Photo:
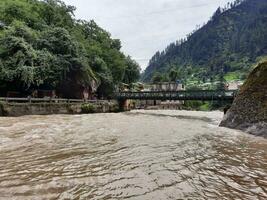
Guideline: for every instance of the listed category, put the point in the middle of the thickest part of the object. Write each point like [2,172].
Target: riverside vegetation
[42,46]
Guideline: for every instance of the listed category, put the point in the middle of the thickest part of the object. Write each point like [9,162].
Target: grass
[205,107]
[231,76]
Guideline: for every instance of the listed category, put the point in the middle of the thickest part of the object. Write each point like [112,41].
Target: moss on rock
[249,110]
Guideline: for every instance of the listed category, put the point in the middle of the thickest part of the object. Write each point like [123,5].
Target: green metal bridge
[203,95]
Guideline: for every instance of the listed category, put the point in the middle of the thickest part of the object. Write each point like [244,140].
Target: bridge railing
[179,95]
[47,100]
[146,95]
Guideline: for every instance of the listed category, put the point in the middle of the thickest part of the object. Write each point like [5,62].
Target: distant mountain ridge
[231,41]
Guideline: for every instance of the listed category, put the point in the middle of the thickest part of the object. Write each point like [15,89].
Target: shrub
[3,112]
[88,108]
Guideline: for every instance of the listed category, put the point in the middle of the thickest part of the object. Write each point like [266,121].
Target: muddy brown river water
[136,155]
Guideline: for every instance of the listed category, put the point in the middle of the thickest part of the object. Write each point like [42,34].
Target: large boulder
[249,109]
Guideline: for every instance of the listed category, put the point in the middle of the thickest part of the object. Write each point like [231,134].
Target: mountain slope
[232,40]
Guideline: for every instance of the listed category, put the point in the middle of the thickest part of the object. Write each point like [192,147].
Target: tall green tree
[132,71]
[44,46]
[174,75]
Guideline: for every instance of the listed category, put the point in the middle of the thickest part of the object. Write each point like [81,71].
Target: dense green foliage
[228,45]
[88,108]
[42,46]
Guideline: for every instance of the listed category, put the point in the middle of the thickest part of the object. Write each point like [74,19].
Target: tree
[132,71]
[217,13]
[173,75]
[18,56]
[235,38]
[222,82]
[157,78]
[43,46]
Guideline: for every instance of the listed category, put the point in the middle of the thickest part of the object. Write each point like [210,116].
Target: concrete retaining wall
[20,109]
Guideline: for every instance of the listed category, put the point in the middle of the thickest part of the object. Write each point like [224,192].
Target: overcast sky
[146,26]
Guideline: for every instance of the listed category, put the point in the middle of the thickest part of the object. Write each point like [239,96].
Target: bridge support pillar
[124,105]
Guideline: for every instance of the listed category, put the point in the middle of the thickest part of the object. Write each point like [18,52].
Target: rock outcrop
[249,110]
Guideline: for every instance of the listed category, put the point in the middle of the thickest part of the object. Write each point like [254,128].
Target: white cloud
[146,26]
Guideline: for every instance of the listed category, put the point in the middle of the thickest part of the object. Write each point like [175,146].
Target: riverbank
[21,109]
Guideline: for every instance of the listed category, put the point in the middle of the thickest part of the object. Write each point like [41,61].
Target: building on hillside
[165,87]
[124,87]
[234,85]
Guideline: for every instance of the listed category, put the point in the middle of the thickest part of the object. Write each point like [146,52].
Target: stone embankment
[20,109]
[249,110]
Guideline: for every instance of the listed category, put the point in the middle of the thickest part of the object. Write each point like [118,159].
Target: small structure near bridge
[162,104]
[167,86]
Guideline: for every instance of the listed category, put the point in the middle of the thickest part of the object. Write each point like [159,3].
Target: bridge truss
[204,95]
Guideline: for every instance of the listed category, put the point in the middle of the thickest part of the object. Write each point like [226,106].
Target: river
[135,155]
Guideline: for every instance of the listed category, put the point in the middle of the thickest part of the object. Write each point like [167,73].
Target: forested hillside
[226,46]
[42,46]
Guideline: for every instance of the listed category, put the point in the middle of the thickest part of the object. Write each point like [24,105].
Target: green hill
[226,46]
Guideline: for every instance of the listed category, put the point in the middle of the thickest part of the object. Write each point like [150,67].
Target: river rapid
[135,155]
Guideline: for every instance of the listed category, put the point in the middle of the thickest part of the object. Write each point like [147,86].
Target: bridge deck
[206,95]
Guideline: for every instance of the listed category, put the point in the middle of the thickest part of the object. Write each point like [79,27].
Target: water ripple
[132,156]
